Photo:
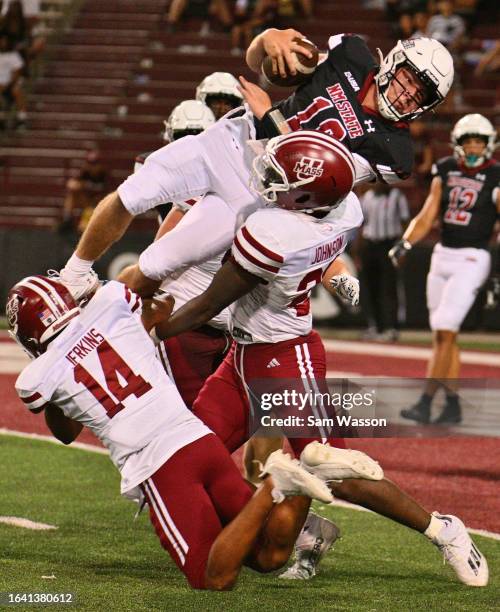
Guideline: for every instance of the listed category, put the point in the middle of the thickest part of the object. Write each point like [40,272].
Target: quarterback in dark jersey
[465,196]
[352,98]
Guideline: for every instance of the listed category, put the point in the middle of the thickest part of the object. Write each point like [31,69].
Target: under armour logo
[369,125]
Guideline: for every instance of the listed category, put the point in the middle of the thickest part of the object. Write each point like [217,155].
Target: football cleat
[336,464]
[79,285]
[452,414]
[314,541]
[290,478]
[419,412]
[449,534]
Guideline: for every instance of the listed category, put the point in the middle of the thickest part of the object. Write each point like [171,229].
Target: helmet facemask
[269,179]
[429,62]
[473,125]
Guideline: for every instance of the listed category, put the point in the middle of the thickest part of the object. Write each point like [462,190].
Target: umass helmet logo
[308,167]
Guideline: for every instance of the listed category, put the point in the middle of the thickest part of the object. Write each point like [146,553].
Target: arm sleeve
[257,251]
[31,399]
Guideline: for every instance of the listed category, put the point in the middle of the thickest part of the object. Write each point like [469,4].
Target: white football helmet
[429,61]
[473,125]
[188,117]
[219,85]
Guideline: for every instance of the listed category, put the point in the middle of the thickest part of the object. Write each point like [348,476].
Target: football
[305,66]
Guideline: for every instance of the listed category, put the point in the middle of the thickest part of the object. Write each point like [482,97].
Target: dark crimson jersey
[330,101]
[468,209]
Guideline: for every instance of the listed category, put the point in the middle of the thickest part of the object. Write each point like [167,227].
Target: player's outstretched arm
[261,536]
[230,283]
[63,428]
[420,225]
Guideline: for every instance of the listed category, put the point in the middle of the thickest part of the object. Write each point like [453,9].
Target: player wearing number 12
[465,196]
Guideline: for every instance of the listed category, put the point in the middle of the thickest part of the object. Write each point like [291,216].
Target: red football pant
[222,403]
[191,498]
[190,358]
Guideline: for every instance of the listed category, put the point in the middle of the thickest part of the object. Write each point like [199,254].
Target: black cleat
[419,412]
[451,414]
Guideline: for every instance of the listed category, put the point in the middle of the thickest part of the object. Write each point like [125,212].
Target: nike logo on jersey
[351,80]
[345,110]
[273,363]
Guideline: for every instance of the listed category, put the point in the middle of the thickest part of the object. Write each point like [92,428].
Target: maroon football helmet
[304,170]
[38,308]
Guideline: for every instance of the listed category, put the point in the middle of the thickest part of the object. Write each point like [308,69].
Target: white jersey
[186,284]
[290,251]
[193,281]
[102,371]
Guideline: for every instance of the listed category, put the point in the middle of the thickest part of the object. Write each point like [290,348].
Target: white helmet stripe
[47,292]
[53,292]
[43,294]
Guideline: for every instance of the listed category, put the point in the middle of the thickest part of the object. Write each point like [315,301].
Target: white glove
[347,288]
[79,285]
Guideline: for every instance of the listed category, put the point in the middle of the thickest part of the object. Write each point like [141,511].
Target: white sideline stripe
[485,534]
[33,436]
[481,532]
[406,352]
[18,521]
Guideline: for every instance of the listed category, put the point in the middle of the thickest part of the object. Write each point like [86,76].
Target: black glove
[492,292]
[398,252]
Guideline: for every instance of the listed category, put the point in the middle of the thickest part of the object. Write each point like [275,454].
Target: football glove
[398,252]
[346,287]
[492,292]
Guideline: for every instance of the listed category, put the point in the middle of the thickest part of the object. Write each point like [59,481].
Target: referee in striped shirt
[386,213]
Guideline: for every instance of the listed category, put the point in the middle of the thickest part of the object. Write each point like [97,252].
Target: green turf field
[111,562]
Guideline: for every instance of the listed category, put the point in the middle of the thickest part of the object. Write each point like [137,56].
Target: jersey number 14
[112,365]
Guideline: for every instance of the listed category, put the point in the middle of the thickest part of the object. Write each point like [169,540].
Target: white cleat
[449,534]
[79,285]
[314,541]
[330,463]
[290,478]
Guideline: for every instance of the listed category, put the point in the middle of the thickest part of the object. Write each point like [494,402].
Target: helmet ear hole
[303,198]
